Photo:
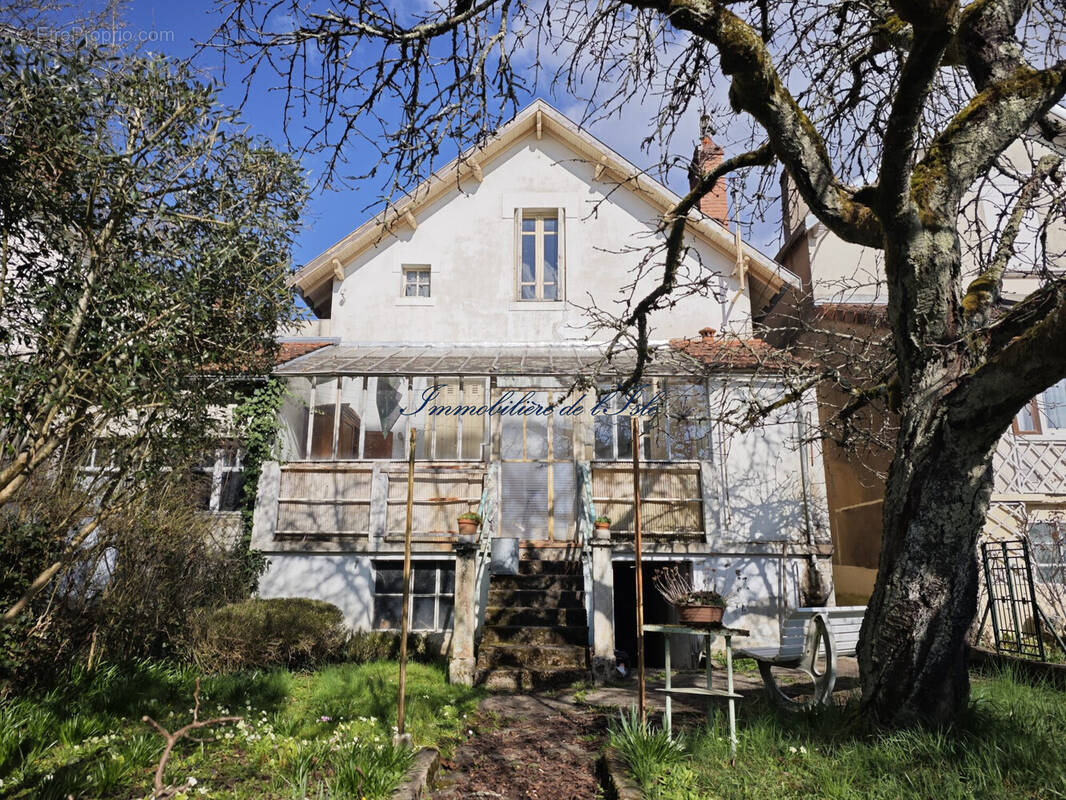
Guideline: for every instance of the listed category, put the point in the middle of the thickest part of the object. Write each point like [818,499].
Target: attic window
[416,281]
[539,253]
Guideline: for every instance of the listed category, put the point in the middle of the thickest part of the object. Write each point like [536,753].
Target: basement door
[537,474]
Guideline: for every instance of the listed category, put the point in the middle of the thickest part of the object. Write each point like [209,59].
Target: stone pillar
[464,615]
[265,516]
[379,506]
[603,663]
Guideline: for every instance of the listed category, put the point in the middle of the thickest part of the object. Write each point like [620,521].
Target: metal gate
[1012,603]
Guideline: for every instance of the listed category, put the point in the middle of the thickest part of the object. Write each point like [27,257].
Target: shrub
[128,592]
[169,561]
[366,646]
[31,643]
[292,632]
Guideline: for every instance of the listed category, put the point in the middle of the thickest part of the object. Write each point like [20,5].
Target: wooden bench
[805,633]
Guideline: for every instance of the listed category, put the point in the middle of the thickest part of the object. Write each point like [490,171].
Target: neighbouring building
[843,292]
[471,293]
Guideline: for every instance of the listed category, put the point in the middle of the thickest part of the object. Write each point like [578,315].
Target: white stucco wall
[761,595]
[468,239]
[346,581]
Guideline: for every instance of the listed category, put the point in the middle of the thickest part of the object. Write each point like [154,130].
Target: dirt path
[527,747]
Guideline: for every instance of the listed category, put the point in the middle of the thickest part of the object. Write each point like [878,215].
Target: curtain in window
[1055,405]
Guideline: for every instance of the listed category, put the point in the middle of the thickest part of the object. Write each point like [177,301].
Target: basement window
[431,599]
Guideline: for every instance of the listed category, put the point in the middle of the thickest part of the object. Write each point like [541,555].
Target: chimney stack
[708,156]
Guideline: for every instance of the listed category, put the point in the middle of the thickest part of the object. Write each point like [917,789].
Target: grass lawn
[322,734]
[1008,746]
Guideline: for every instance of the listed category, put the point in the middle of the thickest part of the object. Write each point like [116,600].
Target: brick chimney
[707,156]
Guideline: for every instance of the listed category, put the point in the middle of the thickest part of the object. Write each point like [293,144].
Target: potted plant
[694,606]
[469,522]
[601,522]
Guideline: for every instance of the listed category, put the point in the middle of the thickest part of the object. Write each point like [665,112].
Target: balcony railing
[368,502]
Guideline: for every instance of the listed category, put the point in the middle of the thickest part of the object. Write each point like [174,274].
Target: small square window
[416,281]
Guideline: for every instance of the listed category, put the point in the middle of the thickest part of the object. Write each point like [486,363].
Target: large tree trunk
[912,649]
[912,655]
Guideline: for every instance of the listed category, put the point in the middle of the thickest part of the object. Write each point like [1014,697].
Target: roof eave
[311,276]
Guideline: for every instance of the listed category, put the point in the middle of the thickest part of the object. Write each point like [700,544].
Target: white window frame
[229,462]
[412,279]
[539,234]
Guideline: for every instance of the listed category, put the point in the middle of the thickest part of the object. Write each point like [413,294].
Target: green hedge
[292,632]
[367,646]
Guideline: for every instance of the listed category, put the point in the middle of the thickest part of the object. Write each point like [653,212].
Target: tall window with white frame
[416,281]
[540,254]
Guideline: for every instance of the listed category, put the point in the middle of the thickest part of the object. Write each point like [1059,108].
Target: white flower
[792,750]
[191,781]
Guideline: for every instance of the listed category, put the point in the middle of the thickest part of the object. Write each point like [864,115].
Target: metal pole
[406,612]
[641,686]
[1037,613]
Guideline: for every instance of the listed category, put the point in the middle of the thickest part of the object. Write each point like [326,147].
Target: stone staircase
[535,633]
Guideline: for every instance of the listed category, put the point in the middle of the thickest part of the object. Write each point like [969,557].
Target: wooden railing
[671,498]
[369,502]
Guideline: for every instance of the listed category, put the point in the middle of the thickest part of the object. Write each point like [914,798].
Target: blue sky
[333,214]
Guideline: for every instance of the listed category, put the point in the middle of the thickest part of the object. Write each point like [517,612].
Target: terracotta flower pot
[602,526]
[700,615]
[467,527]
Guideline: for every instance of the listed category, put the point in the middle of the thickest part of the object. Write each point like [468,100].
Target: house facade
[844,292]
[459,321]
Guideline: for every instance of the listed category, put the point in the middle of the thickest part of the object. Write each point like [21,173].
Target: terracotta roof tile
[732,353]
[874,314]
[287,351]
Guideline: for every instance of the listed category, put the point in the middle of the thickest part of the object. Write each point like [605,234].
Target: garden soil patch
[526,747]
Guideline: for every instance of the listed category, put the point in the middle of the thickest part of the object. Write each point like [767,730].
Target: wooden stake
[641,685]
[405,613]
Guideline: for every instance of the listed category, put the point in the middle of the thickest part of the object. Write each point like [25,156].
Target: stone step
[532,657]
[535,598]
[544,566]
[549,617]
[576,582]
[524,680]
[528,634]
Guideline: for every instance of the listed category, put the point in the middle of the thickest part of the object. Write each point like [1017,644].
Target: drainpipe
[814,578]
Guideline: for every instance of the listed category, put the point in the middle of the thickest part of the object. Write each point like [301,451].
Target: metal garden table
[709,635]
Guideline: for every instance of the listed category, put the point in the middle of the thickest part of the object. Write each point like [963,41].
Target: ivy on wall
[257,423]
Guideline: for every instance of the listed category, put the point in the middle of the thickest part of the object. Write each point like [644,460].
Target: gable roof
[539,119]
